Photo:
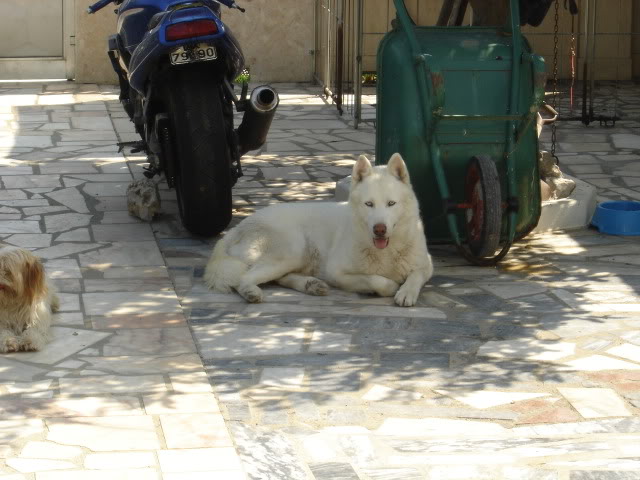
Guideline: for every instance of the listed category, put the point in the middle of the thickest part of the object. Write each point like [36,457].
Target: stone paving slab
[120,393]
[528,371]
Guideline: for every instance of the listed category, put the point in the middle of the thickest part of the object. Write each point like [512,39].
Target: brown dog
[26,301]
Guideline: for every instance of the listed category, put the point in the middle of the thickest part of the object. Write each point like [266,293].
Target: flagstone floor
[530,371]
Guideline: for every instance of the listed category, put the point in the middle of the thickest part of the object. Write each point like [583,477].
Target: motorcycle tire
[203,159]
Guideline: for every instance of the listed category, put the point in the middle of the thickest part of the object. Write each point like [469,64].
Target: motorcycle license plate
[198,53]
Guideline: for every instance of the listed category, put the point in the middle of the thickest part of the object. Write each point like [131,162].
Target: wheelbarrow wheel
[484,212]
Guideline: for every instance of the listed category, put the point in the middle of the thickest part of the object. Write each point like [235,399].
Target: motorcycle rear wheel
[203,160]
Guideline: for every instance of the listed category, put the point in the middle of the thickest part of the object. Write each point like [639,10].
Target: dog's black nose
[380,229]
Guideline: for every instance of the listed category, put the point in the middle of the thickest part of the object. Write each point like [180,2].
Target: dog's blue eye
[391,203]
[369,204]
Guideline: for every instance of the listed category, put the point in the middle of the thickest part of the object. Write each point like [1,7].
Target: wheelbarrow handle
[552,111]
[430,78]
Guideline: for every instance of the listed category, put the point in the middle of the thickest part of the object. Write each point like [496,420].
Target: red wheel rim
[475,197]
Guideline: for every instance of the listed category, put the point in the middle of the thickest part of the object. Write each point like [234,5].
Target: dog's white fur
[26,301]
[306,246]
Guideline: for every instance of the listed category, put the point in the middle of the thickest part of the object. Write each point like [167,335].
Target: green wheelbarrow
[460,105]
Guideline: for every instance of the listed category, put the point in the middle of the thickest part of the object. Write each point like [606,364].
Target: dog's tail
[223,271]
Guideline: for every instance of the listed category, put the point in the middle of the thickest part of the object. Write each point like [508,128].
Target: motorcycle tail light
[196,28]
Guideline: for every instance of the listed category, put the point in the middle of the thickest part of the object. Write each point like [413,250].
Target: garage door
[36,39]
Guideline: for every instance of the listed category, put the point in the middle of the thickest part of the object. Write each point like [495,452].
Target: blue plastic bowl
[617,218]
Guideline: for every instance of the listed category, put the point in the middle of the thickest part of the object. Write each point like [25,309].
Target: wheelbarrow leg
[511,131]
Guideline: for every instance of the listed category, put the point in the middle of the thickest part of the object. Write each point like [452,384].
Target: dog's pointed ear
[33,277]
[398,169]
[361,169]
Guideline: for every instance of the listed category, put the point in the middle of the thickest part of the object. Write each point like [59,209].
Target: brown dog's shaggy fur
[26,301]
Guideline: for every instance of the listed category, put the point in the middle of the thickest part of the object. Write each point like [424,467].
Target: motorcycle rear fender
[155,48]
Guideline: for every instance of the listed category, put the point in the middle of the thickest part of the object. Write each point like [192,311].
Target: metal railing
[338,54]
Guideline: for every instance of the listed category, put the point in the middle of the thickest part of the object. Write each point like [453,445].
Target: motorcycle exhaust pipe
[256,121]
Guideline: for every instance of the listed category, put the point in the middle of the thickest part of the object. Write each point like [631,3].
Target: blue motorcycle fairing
[154,49]
[187,15]
[134,17]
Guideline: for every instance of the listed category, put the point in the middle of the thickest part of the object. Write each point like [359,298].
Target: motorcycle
[176,62]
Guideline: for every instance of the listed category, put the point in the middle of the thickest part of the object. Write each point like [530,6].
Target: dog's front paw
[385,287]
[316,287]
[29,345]
[9,345]
[406,297]
[32,340]
[251,293]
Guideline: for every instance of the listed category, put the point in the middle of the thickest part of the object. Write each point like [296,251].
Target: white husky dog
[374,243]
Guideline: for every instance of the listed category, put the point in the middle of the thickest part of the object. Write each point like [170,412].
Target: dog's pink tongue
[380,242]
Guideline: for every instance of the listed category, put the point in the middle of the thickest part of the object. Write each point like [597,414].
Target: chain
[573,54]
[555,79]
